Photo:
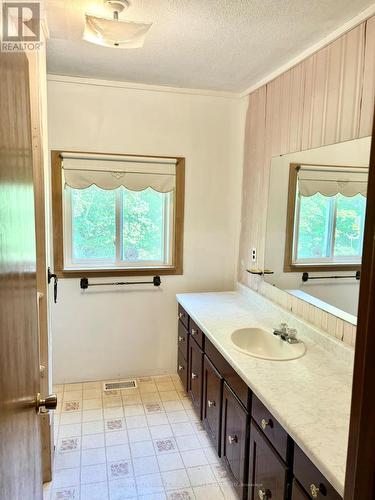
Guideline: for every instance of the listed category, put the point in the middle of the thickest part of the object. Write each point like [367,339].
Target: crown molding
[141,86]
[334,35]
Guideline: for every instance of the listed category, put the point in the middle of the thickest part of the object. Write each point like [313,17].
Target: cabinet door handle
[315,490]
[264,494]
[193,332]
[211,403]
[180,315]
[194,375]
[180,339]
[232,439]
[180,367]
[265,422]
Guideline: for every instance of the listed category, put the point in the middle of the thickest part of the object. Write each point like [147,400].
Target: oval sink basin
[262,344]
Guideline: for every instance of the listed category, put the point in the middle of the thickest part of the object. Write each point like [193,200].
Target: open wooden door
[360,470]
[38,92]
[20,440]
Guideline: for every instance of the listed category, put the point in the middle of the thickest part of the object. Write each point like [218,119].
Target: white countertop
[309,396]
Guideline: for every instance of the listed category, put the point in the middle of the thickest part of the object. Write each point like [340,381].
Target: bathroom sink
[262,344]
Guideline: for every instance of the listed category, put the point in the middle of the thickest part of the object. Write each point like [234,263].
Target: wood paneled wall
[327,98]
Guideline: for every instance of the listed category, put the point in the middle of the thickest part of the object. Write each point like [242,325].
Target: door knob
[43,405]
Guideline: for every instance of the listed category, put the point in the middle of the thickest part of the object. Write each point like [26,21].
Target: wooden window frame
[289,267]
[57,219]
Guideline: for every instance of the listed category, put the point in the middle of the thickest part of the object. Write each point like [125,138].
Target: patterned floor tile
[145,443]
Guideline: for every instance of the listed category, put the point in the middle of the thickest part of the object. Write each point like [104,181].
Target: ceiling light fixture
[114,32]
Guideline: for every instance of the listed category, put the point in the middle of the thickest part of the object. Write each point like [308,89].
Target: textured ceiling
[208,44]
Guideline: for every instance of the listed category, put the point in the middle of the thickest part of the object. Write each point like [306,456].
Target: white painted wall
[113,332]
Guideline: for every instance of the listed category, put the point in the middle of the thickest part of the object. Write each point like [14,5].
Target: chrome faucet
[285,333]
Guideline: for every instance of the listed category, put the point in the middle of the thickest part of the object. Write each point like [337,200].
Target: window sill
[97,273]
[302,268]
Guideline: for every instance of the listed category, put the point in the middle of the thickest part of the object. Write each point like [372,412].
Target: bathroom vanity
[281,427]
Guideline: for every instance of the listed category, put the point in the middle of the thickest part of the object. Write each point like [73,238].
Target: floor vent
[123,384]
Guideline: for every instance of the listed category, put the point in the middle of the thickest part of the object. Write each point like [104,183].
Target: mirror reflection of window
[329,229]
[315,224]
[329,214]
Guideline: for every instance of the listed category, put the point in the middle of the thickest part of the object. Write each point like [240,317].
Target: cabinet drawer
[182,368]
[298,493]
[312,480]
[195,382]
[235,440]
[268,475]
[234,381]
[212,402]
[196,333]
[271,428]
[183,340]
[183,316]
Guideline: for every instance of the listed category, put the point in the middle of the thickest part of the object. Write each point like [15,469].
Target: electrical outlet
[253,255]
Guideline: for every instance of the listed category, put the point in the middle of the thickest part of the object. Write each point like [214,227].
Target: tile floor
[143,443]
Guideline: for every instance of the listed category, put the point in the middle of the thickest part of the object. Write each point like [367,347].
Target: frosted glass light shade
[115,33]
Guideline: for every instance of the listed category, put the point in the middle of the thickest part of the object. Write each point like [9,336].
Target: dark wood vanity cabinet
[271,428]
[182,369]
[183,347]
[235,437]
[195,377]
[196,333]
[298,493]
[311,479]
[212,402]
[183,316]
[261,457]
[183,340]
[268,474]
[231,377]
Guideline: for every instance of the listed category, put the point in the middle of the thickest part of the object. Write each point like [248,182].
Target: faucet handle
[283,327]
[292,333]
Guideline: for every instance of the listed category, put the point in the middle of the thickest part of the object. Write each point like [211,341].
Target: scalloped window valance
[135,173]
[330,181]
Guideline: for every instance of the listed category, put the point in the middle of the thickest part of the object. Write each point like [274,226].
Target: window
[121,215]
[326,216]
[329,229]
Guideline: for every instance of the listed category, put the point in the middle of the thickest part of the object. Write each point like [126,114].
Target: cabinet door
[235,438]
[183,316]
[196,376]
[298,493]
[311,479]
[196,333]
[182,369]
[231,377]
[267,472]
[212,402]
[271,428]
[183,340]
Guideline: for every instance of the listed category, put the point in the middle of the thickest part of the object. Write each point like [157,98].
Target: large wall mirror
[315,225]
